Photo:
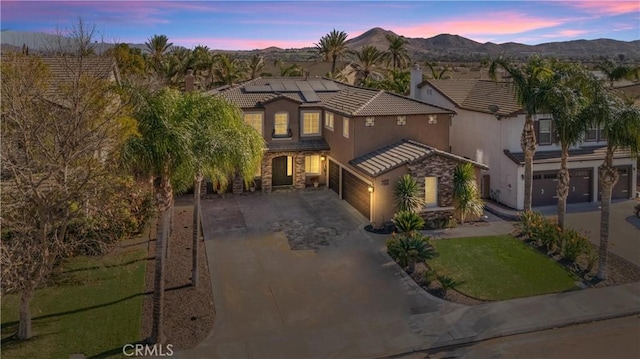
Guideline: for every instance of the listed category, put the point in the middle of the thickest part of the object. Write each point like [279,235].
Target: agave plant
[447,283]
[407,194]
[410,249]
[407,221]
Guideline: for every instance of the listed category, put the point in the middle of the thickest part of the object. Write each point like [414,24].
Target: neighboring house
[487,129]
[356,141]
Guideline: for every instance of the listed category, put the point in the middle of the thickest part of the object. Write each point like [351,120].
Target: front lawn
[93,307]
[499,267]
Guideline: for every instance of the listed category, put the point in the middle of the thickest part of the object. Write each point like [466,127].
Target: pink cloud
[566,33]
[607,7]
[238,44]
[502,23]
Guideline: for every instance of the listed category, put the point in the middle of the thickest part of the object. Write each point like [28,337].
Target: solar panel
[330,85]
[316,85]
[277,86]
[304,86]
[310,96]
[257,88]
[290,86]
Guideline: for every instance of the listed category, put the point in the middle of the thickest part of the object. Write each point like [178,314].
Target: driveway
[343,299]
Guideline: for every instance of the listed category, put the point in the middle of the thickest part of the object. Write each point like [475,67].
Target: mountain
[443,47]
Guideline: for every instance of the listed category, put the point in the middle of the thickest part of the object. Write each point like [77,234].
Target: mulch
[188,312]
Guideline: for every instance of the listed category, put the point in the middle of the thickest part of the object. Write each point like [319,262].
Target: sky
[246,25]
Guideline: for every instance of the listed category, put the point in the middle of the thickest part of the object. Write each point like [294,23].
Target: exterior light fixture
[322,158]
[370,189]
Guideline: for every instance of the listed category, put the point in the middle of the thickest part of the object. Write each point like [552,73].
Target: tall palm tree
[525,82]
[161,151]
[614,72]
[397,51]
[291,70]
[222,144]
[443,74]
[563,97]
[227,69]
[158,46]
[620,124]
[332,46]
[366,63]
[255,66]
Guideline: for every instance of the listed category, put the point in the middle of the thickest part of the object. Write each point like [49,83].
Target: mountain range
[443,47]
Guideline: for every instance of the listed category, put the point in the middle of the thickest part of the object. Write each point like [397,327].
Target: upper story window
[310,123]
[281,125]
[254,119]
[544,131]
[592,134]
[328,120]
[345,127]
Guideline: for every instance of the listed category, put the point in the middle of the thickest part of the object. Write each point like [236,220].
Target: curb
[500,214]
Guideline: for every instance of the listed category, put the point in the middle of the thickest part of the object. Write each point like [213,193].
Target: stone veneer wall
[299,174]
[441,167]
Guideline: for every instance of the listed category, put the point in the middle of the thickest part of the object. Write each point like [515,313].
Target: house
[356,141]
[487,129]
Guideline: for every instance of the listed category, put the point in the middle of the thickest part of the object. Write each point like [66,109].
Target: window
[432,119]
[328,120]
[592,133]
[310,123]
[345,127]
[289,166]
[369,121]
[431,191]
[401,120]
[281,124]
[544,132]
[254,120]
[312,164]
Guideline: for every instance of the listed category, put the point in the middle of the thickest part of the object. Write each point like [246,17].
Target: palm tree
[332,46]
[222,144]
[255,66]
[465,191]
[614,72]
[158,46]
[227,69]
[161,151]
[291,70]
[397,51]
[620,123]
[525,82]
[443,74]
[366,63]
[409,249]
[563,97]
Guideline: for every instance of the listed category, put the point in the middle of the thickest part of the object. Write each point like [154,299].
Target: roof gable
[477,95]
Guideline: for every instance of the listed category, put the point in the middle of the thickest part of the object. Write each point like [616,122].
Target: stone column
[266,173]
[299,174]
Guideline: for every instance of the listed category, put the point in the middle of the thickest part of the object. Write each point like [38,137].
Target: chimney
[416,79]
[189,81]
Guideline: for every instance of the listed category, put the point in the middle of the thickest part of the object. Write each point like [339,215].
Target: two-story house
[356,141]
[487,129]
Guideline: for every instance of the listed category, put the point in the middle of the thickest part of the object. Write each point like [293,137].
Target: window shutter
[536,130]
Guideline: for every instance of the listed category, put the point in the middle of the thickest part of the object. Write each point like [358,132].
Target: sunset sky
[244,25]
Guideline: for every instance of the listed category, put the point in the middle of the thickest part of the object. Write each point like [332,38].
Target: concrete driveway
[344,299]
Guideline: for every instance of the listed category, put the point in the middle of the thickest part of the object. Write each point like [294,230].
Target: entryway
[282,171]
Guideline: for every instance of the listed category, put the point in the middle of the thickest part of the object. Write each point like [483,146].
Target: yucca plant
[407,194]
[407,250]
[465,191]
[407,221]
[447,283]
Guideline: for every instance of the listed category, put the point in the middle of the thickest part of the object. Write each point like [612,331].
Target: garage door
[355,192]
[545,184]
[334,176]
[621,190]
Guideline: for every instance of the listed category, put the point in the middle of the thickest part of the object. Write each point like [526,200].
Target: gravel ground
[188,312]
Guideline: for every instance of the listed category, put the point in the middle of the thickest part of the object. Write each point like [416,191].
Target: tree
[525,82]
[255,66]
[222,144]
[57,151]
[397,52]
[409,249]
[615,72]
[332,46]
[158,46]
[620,124]
[443,74]
[407,194]
[227,70]
[563,97]
[366,63]
[291,70]
[465,191]
[162,152]
[130,60]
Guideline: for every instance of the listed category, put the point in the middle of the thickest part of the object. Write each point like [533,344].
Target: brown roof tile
[478,95]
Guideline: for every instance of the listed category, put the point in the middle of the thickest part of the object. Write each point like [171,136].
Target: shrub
[408,249]
[447,283]
[572,244]
[465,191]
[430,275]
[528,224]
[407,194]
[591,257]
[546,234]
[407,221]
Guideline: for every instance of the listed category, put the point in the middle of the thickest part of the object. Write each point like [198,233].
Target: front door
[282,171]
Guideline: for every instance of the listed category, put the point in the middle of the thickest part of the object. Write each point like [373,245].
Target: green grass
[499,267]
[93,307]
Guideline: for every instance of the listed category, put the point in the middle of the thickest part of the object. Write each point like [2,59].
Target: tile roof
[318,144]
[335,96]
[579,154]
[63,70]
[478,95]
[400,153]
